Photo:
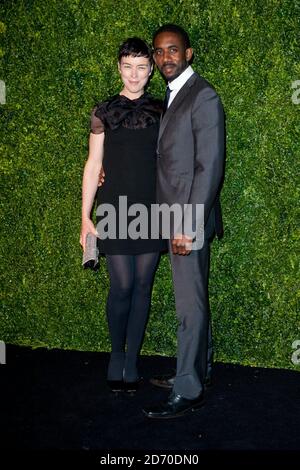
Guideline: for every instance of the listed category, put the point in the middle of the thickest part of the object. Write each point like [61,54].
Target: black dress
[129,161]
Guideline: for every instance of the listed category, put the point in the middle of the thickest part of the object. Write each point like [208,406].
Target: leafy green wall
[57,59]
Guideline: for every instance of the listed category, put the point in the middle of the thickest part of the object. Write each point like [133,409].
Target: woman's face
[135,72]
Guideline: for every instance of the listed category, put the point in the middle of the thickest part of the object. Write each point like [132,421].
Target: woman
[123,138]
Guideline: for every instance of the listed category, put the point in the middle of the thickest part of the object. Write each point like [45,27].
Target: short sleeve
[97,126]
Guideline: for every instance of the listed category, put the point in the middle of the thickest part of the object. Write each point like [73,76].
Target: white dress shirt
[176,84]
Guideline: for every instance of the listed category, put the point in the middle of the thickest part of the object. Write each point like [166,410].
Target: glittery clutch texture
[90,257]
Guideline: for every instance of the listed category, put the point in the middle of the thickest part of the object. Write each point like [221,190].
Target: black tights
[128,303]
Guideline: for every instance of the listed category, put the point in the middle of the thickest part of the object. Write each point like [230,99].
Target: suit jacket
[190,151]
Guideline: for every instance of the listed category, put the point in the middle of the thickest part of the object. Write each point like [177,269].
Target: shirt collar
[182,79]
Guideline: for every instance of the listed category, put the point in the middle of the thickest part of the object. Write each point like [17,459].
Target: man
[189,171]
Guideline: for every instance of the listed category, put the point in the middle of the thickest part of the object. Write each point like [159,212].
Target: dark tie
[166,100]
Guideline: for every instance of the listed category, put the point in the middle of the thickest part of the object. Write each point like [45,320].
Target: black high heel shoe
[116,386]
[132,387]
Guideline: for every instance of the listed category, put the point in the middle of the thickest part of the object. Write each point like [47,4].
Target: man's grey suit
[190,170]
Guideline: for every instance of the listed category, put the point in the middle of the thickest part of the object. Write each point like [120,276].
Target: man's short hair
[135,47]
[173,28]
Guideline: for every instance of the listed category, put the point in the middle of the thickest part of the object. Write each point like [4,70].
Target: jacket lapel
[175,104]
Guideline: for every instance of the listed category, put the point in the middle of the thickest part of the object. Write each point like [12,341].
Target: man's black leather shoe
[167,381]
[175,406]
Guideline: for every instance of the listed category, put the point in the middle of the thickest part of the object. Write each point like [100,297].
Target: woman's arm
[90,184]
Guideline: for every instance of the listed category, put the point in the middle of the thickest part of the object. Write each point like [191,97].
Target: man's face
[170,55]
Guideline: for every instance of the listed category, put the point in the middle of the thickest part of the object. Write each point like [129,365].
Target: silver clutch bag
[90,257]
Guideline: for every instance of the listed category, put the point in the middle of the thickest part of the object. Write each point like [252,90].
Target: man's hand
[181,244]
[101,177]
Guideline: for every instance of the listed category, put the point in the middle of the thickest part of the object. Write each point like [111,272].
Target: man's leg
[190,279]
[208,375]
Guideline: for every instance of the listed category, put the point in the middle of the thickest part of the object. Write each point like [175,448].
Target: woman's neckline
[132,99]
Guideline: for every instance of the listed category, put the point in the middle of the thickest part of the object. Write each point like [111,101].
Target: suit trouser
[194,348]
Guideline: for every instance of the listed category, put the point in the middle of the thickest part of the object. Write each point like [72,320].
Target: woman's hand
[87,226]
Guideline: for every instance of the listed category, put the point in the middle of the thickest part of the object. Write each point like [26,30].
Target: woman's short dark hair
[135,47]
[174,28]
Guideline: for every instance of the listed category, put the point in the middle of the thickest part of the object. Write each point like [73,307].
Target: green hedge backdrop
[57,59]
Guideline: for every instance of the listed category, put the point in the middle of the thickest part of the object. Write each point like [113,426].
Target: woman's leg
[144,269]
[121,273]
